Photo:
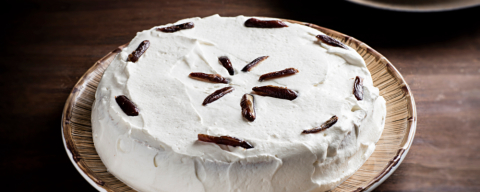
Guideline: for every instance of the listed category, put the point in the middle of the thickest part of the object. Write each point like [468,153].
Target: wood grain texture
[47,45]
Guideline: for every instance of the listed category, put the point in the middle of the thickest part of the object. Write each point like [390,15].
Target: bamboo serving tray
[391,149]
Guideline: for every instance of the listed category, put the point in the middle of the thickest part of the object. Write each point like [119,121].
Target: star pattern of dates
[247,102]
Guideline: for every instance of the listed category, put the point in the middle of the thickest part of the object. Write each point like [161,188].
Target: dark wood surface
[47,45]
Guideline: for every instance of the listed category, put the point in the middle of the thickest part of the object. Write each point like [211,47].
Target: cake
[236,104]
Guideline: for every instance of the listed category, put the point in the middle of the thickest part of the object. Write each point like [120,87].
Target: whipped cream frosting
[158,150]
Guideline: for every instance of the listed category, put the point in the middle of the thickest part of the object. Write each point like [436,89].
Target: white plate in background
[419,5]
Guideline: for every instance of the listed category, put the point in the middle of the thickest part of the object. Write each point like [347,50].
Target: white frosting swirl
[158,150]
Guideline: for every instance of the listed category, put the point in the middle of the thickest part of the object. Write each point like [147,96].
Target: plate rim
[85,176]
[391,7]
[393,164]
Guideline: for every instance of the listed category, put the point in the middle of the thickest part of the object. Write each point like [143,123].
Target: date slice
[252,22]
[227,64]
[217,95]
[277,74]
[324,126]
[248,107]
[225,140]
[358,88]
[127,106]
[275,91]
[135,55]
[254,63]
[212,78]
[331,41]
[176,28]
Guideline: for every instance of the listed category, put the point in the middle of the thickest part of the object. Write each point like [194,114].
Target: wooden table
[47,46]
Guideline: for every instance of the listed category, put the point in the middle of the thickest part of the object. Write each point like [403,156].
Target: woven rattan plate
[391,149]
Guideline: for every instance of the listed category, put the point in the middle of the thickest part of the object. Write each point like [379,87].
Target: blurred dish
[418,5]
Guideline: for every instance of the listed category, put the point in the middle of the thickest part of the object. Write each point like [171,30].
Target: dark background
[47,45]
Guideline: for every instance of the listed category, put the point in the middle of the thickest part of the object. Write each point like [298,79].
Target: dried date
[227,64]
[254,63]
[252,22]
[217,95]
[213,78]
[277,74]
[127,106]
[331,41]
[135,55]
[176,28]
[358,88]
[248,107]
[275,91]
[324,126]
[225,140]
